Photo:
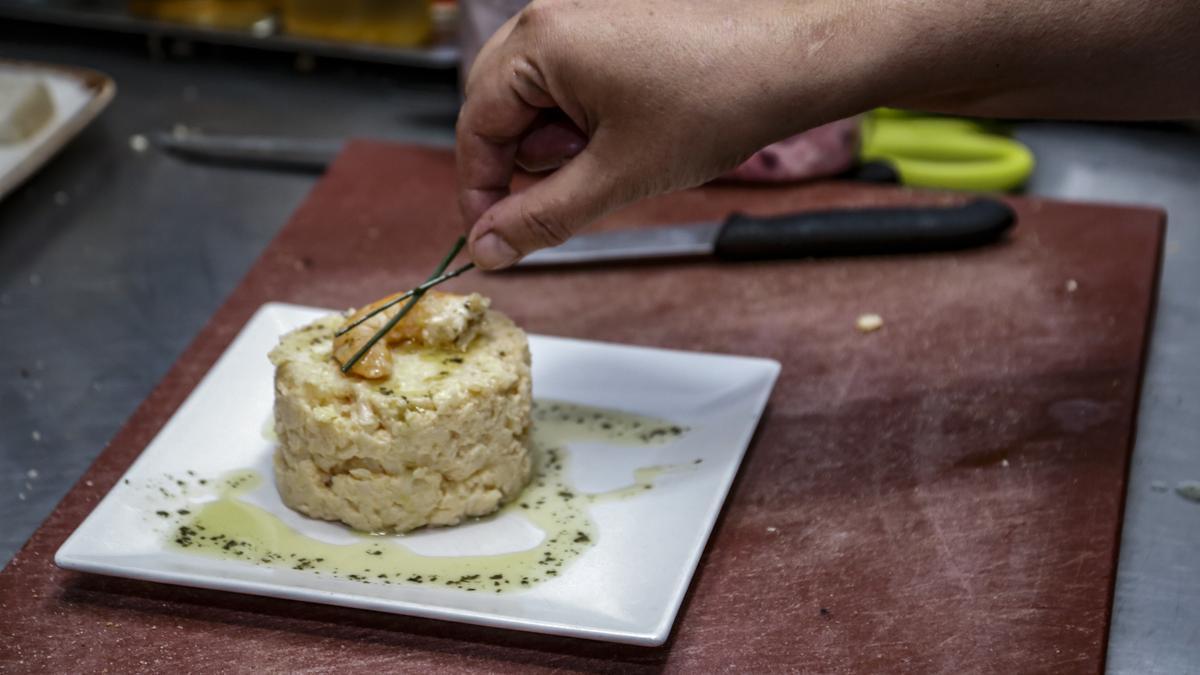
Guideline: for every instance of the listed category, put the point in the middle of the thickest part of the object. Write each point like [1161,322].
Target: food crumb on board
[1072,285]
[139,143]
[32,473]
[1004,463]
[1159,486]
[772,530]
[1188,489]
[868,323]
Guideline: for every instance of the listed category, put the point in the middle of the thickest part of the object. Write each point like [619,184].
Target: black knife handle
[868,231]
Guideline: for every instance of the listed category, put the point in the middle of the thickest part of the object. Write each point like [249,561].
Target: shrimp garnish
[412,329]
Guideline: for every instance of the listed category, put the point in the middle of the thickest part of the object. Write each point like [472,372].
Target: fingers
[504,121]
[490,125]
[550,143]
[484,171]
[544,215]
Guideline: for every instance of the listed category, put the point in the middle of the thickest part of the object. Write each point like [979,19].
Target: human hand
[638,97]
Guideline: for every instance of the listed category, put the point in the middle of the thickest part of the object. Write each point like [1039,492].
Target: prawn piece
[437,320]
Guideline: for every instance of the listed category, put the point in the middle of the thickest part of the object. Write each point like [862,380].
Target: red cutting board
[943,495]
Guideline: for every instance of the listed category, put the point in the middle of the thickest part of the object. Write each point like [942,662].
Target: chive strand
[458,246]
[434,281]
[439,276]
[381,332]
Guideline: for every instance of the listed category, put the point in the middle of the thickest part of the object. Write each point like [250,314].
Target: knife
[805,234]
[305,154]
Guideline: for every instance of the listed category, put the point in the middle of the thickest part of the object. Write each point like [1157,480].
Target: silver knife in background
[806,234]
[312,154]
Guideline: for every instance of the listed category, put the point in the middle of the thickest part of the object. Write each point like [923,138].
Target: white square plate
[626,588]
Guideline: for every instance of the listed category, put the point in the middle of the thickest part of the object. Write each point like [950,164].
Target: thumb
[545,214]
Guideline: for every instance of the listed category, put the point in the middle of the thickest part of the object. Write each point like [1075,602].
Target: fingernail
[491,252]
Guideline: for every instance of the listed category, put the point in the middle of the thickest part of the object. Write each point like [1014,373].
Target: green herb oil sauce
[229,527]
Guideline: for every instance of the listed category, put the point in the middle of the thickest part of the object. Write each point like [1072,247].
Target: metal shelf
[112,16]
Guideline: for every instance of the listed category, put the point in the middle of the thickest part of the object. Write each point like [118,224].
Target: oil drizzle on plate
[230,527]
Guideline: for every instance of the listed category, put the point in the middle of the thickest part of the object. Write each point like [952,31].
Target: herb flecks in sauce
[230,527]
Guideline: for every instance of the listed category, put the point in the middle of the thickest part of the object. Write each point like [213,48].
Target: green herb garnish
[440,275]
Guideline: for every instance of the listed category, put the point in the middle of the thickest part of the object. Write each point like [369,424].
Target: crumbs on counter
[1188,489]
[868,323]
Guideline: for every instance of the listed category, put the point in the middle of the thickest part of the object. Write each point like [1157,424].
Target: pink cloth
[817,153]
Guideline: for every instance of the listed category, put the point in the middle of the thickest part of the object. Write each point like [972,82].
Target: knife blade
[806,234]
[312,154]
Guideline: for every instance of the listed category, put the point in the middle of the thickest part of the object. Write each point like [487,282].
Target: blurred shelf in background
[414,33]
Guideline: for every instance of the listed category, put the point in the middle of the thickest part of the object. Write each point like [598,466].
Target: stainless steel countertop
[111,260]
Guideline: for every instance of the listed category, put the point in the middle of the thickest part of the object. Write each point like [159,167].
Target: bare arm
[1083,59]
[667,94]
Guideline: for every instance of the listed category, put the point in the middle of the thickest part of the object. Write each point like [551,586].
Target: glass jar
[399,23]
[241,14]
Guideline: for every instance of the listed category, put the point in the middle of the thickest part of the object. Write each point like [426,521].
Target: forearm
[1092,59]
[1086,59]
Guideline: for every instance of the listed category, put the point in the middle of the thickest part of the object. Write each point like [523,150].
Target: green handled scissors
[944,152]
